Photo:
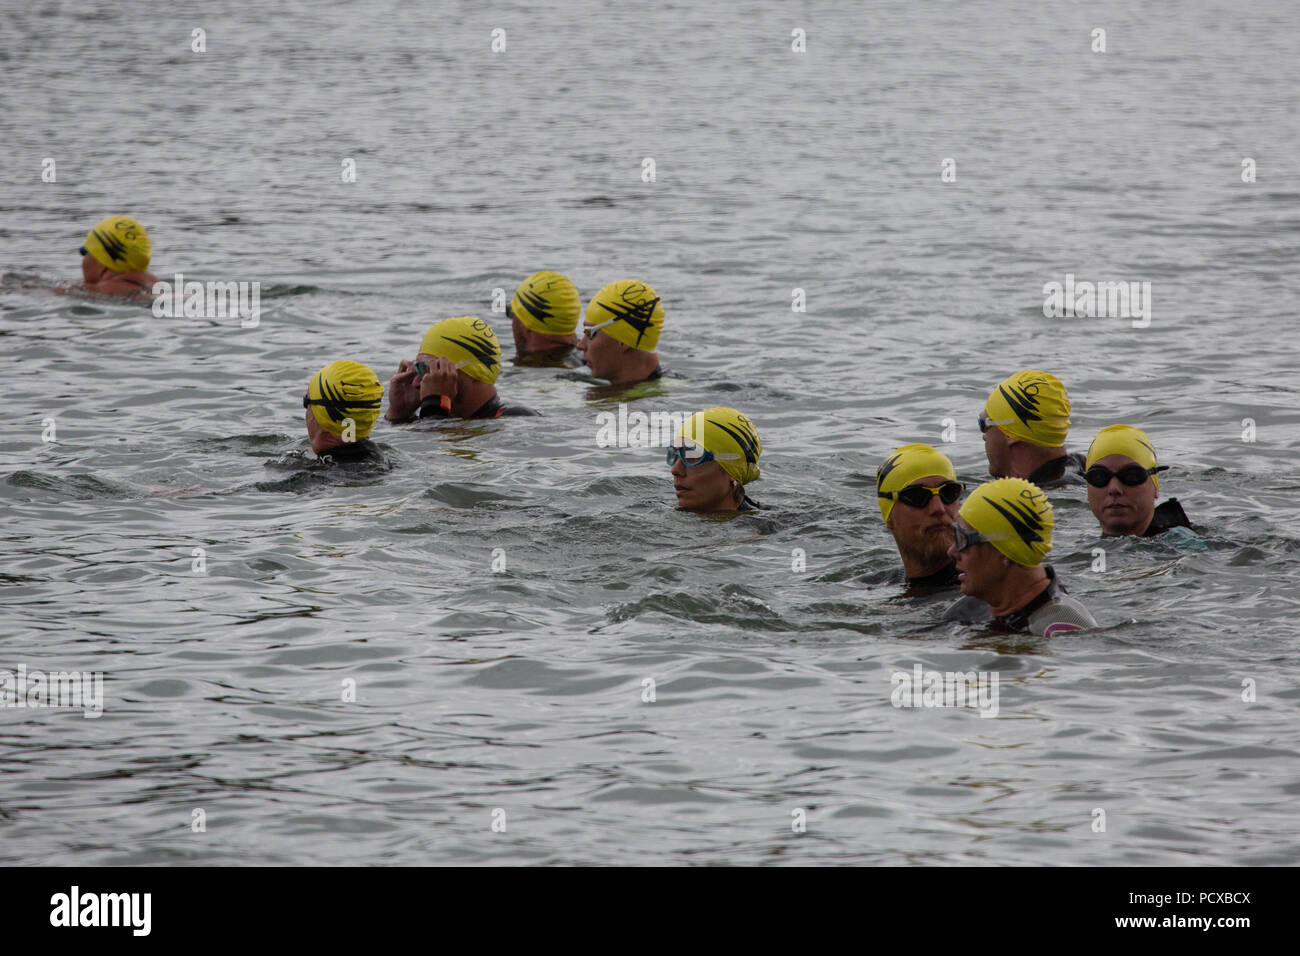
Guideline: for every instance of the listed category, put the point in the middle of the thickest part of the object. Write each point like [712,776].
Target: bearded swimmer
[1001,535]
[714,456]
[115,258]
[342,403]
[1024,424]
[1123,483]
[543,315]
[453,376]
[922,480]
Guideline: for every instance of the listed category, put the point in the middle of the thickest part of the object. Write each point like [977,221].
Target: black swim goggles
[337,410]
[919,496]
[963,539]
[1099,476]
[84,252]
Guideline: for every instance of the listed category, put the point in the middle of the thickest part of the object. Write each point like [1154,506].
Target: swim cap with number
[119,243]
[469,342]
[1015,516]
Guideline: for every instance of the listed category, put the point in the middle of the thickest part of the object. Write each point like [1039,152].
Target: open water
[515,696]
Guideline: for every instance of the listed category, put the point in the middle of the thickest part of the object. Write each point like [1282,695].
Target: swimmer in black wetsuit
[712,458]
[115,258]
[1123,483]
[621,333]
[453,375]
[922,480]
[1024,423]
[543,314]
[342,403]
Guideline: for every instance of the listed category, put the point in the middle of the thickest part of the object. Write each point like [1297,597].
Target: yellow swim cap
[467,341]
[120,243]
[731,437]
[904,466]
[1124,440]
[345,390]
[547,302]
[634,314]
[1015,516]
[1031,406]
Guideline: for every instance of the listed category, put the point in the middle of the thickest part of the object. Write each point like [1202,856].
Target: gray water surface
[522,690]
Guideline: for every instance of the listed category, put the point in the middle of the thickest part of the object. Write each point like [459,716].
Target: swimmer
[922,480]
[115,258]
[712,459]
[543,316]
[1122,485]
[342,403]
[621,333]
[1001,535]
[1024,424]
[453,376]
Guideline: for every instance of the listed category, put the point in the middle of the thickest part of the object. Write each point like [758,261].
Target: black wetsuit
[431,407]
[943,579]
[363,452]
[1168,514]
[749,504]
[1061,472]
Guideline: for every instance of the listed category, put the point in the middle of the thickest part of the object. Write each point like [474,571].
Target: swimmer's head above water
[712,458]
[544,313]
[453,374]
[1001,535]
[1122,480]
[115,258]
[921,480]
[1024,422]
[342,403]
[621,333]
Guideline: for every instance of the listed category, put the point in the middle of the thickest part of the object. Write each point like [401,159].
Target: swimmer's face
[979,568]
[705,487]
[1122,509]
[924,532]
[603,354]
[997,447]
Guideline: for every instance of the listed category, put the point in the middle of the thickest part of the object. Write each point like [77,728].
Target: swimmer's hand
[441,380]
[403,393]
